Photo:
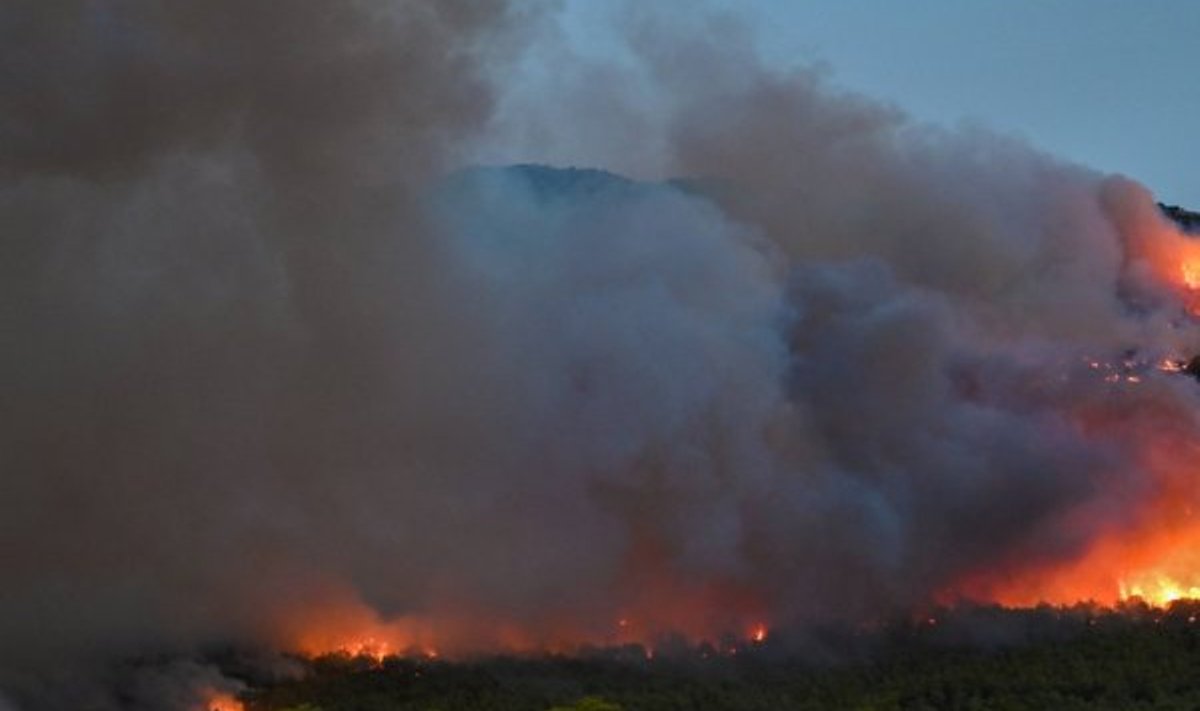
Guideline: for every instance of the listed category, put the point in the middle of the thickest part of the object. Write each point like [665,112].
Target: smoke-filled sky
[1107,83]
[284,366]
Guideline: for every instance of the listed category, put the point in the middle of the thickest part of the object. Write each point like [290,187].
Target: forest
[1079,657]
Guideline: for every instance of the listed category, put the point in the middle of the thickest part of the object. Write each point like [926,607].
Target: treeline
[1082,657]
[1186,219]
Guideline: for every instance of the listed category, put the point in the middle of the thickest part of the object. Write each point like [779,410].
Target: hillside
[1186,219]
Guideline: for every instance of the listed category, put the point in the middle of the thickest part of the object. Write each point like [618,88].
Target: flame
[1189,271]
[1157,590]
[1174,574]
[415,637]
[657,608]
[1142,544]
[340,623]
[1158,570]
[1148,557]
[649,602]
[220,701]
[368,646]
[1171,256]
[359,632]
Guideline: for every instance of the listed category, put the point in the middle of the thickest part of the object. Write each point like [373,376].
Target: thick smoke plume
[274,372]
[224,330]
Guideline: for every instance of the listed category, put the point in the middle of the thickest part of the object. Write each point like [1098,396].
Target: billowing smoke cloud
[269,372]
[916,394]
[222,320]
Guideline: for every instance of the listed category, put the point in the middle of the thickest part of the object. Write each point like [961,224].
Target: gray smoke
[222,320]
[142,685]
[897,392]
[262,358]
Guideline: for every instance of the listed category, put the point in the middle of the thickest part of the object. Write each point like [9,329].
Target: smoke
[147,685]
[271,373]
[902,396]
[220,307]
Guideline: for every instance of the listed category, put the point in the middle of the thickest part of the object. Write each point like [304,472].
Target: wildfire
[1175,575]
[374,648]
[349,627]
[1132,368]
[1171,256]
[1171,365]
[1158,590]
[1155,572]
[353,629]
[1145,557]
[1190,273]
[220,701]
[1142,540]
[367,647]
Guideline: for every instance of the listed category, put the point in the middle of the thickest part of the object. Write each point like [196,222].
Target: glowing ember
[221,701]
[1171,365]
[1157,568]
[351,628]
[1132,369]
[376,648]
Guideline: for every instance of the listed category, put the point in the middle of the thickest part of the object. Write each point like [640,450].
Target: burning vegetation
[1144,557]
[1084,655]
[220,701]
[1143,569]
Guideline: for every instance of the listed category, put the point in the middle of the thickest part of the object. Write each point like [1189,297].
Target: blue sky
[1111,84]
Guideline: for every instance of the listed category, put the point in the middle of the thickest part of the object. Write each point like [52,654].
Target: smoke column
[274,368]
[222,323]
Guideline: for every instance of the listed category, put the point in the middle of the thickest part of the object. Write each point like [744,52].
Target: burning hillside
[283,374]
[1082,657]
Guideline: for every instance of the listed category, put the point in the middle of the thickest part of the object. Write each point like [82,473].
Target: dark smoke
[262,358]
[222,318]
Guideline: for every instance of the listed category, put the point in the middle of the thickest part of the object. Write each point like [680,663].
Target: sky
[1105,83]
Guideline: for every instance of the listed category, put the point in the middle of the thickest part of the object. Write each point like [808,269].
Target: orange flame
[1153,555]
[375,639]
[1190,273]
[355,630]
[220,701]
[649,603]
[1170,255]
[657,607]
[1151,552]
